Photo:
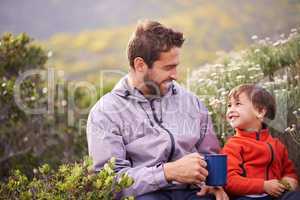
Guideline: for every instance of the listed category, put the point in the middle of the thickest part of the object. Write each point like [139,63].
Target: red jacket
[253,158]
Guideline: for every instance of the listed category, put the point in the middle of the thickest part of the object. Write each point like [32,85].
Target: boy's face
[242,114]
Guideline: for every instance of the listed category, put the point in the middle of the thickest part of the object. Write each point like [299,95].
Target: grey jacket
[143,134]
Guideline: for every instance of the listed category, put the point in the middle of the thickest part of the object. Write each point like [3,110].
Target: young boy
[258,164]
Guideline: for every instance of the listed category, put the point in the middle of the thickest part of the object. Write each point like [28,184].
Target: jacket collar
[261,135]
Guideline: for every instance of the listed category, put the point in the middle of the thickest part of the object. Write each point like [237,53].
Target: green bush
[70,181]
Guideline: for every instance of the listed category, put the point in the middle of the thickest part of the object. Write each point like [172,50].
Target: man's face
[164,70]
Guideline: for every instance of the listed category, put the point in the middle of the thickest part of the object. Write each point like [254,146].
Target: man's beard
[155,89]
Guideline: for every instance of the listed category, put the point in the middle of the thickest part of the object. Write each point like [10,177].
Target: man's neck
[134,82]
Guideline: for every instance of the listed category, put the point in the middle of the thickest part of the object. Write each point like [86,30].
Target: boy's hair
[150,39]
[260,98]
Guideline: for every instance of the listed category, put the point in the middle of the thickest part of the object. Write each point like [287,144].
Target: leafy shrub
[70,181]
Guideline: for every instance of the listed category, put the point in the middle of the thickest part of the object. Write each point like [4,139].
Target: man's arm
[105,141]
[208,142]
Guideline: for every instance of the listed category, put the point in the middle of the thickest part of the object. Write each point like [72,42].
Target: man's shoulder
[189,97]
[184,92]
[105,103]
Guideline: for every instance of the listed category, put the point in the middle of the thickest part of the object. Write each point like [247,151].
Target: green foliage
[70,181]
[19,133]
[55,135]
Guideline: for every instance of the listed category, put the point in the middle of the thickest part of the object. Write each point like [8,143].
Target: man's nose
[173,74]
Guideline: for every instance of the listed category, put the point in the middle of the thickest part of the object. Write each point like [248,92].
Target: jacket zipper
[270,163]
[159,122]
[272,156]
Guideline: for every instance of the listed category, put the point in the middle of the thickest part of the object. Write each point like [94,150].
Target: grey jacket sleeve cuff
[159,176]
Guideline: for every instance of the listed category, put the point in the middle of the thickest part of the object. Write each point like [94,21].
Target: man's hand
[218,192]
[189,169]
[274,187]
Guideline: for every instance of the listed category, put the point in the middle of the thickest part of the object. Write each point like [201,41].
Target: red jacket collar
[262,135]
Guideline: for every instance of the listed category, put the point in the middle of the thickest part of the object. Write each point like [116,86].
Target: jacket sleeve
[288,168]
[105,141]
[236,183]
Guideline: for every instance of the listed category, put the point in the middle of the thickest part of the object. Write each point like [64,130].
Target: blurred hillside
[86,36]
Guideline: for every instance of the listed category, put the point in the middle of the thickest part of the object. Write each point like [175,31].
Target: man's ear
[139,64]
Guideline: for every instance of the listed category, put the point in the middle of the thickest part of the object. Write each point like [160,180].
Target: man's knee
[295,195]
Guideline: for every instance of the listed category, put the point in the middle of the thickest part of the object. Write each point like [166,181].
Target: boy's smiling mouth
[232,117]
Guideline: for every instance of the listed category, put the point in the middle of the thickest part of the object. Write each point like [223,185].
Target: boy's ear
[261,113]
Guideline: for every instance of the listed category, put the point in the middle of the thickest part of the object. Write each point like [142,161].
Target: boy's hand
[293,183]
[274,187]
[218,192]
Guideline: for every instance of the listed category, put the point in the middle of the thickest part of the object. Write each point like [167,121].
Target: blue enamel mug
[217,169]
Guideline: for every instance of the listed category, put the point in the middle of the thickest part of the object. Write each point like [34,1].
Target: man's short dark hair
[150,39]
[260,98]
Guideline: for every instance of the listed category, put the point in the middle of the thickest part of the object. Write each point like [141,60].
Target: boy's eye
[228,105]
[238,103]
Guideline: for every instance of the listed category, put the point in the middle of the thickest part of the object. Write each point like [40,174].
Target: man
[156,130]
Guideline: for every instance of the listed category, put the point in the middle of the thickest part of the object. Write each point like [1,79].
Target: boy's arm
[289,172]
[288,168]
[237,184]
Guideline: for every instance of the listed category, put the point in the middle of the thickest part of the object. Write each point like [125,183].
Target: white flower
[35,171]
[293,30]
[3,84]
[254,37]
[219,65]
[251,69]
[282,35]
[214,74]
[224,93]
[221,90]
[240,77]
[215,103]
[63,102]
[276,43]
[32,98]
[256,50]
[283,41]
[25,139]
[45,90]
[50,53]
